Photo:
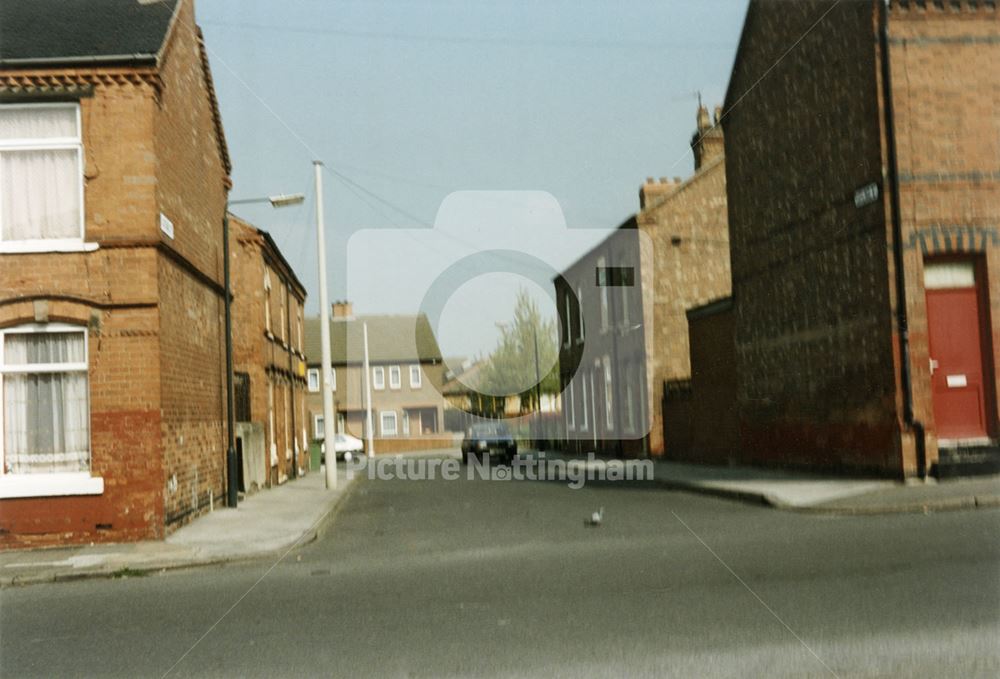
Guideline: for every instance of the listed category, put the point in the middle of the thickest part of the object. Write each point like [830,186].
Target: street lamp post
[330,453]
[232,475]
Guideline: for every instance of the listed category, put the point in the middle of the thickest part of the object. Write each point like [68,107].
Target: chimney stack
[342,309]
[707,141]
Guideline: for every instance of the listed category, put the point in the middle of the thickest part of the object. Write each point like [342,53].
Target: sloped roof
[71,30]
[391,338]
[467,381]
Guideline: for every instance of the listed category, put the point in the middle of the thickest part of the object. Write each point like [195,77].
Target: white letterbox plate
[957,381]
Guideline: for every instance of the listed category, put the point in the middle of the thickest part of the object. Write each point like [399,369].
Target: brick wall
[191,183]
[945,97]
[124,410]
[817,348]
[810,284]
[688,266]
[114,291]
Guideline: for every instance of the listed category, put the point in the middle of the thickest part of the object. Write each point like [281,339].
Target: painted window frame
[57,483]
[267,301]
[609,387]
[571,408]
[378,378]
[415,370]
[567,325]
[75,244]
[282,306]
[318,423]
[384,432]
[625,313]
[602,284]
[310,374]
[397,383]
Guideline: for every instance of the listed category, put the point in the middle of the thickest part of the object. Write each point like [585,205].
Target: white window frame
[298,329]
[310,374]
[609,390]
[317,423]
[383,430]
[59,483]
[571,409]
[406,423]
[579,315]
[568,339]
[395,377]
[415,370]
[270,423]
[50,144]
[378,377]
[631,382]
[267,301]
[283,297]
[584,419]
[625,314]
[602,283]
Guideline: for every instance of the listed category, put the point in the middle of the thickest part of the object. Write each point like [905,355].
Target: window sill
[41,246]
[50,485]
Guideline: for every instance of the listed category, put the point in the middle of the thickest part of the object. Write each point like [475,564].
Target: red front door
[955,328]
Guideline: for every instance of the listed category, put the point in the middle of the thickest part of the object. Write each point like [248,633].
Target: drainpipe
[902,321]
[232,474]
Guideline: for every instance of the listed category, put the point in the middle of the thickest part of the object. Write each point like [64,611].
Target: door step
[974,460]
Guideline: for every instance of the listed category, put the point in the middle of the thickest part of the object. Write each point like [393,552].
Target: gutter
[100,59]
[902,320]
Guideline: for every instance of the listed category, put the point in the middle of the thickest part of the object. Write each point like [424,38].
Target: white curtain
[40,194]
[46,414]
[38,122]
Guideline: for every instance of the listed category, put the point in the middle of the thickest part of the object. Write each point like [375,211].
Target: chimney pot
[342,309]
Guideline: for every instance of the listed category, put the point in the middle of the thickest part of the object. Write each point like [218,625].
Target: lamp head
[285,200]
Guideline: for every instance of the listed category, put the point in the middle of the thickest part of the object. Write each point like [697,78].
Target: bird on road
[596,518]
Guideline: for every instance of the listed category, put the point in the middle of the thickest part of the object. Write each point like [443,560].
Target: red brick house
[113,183]
[625,339]
[864,211]
[268,359]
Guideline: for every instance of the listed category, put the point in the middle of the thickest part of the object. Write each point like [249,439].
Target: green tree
[510,369]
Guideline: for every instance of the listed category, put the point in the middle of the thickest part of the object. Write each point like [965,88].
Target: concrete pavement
[267,523]
[806,492]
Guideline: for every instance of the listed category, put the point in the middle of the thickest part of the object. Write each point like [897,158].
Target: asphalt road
[415,579]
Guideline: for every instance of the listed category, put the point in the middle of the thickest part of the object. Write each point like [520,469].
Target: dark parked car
[489,440]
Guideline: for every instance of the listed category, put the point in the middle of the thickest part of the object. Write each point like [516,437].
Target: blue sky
[411,101]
